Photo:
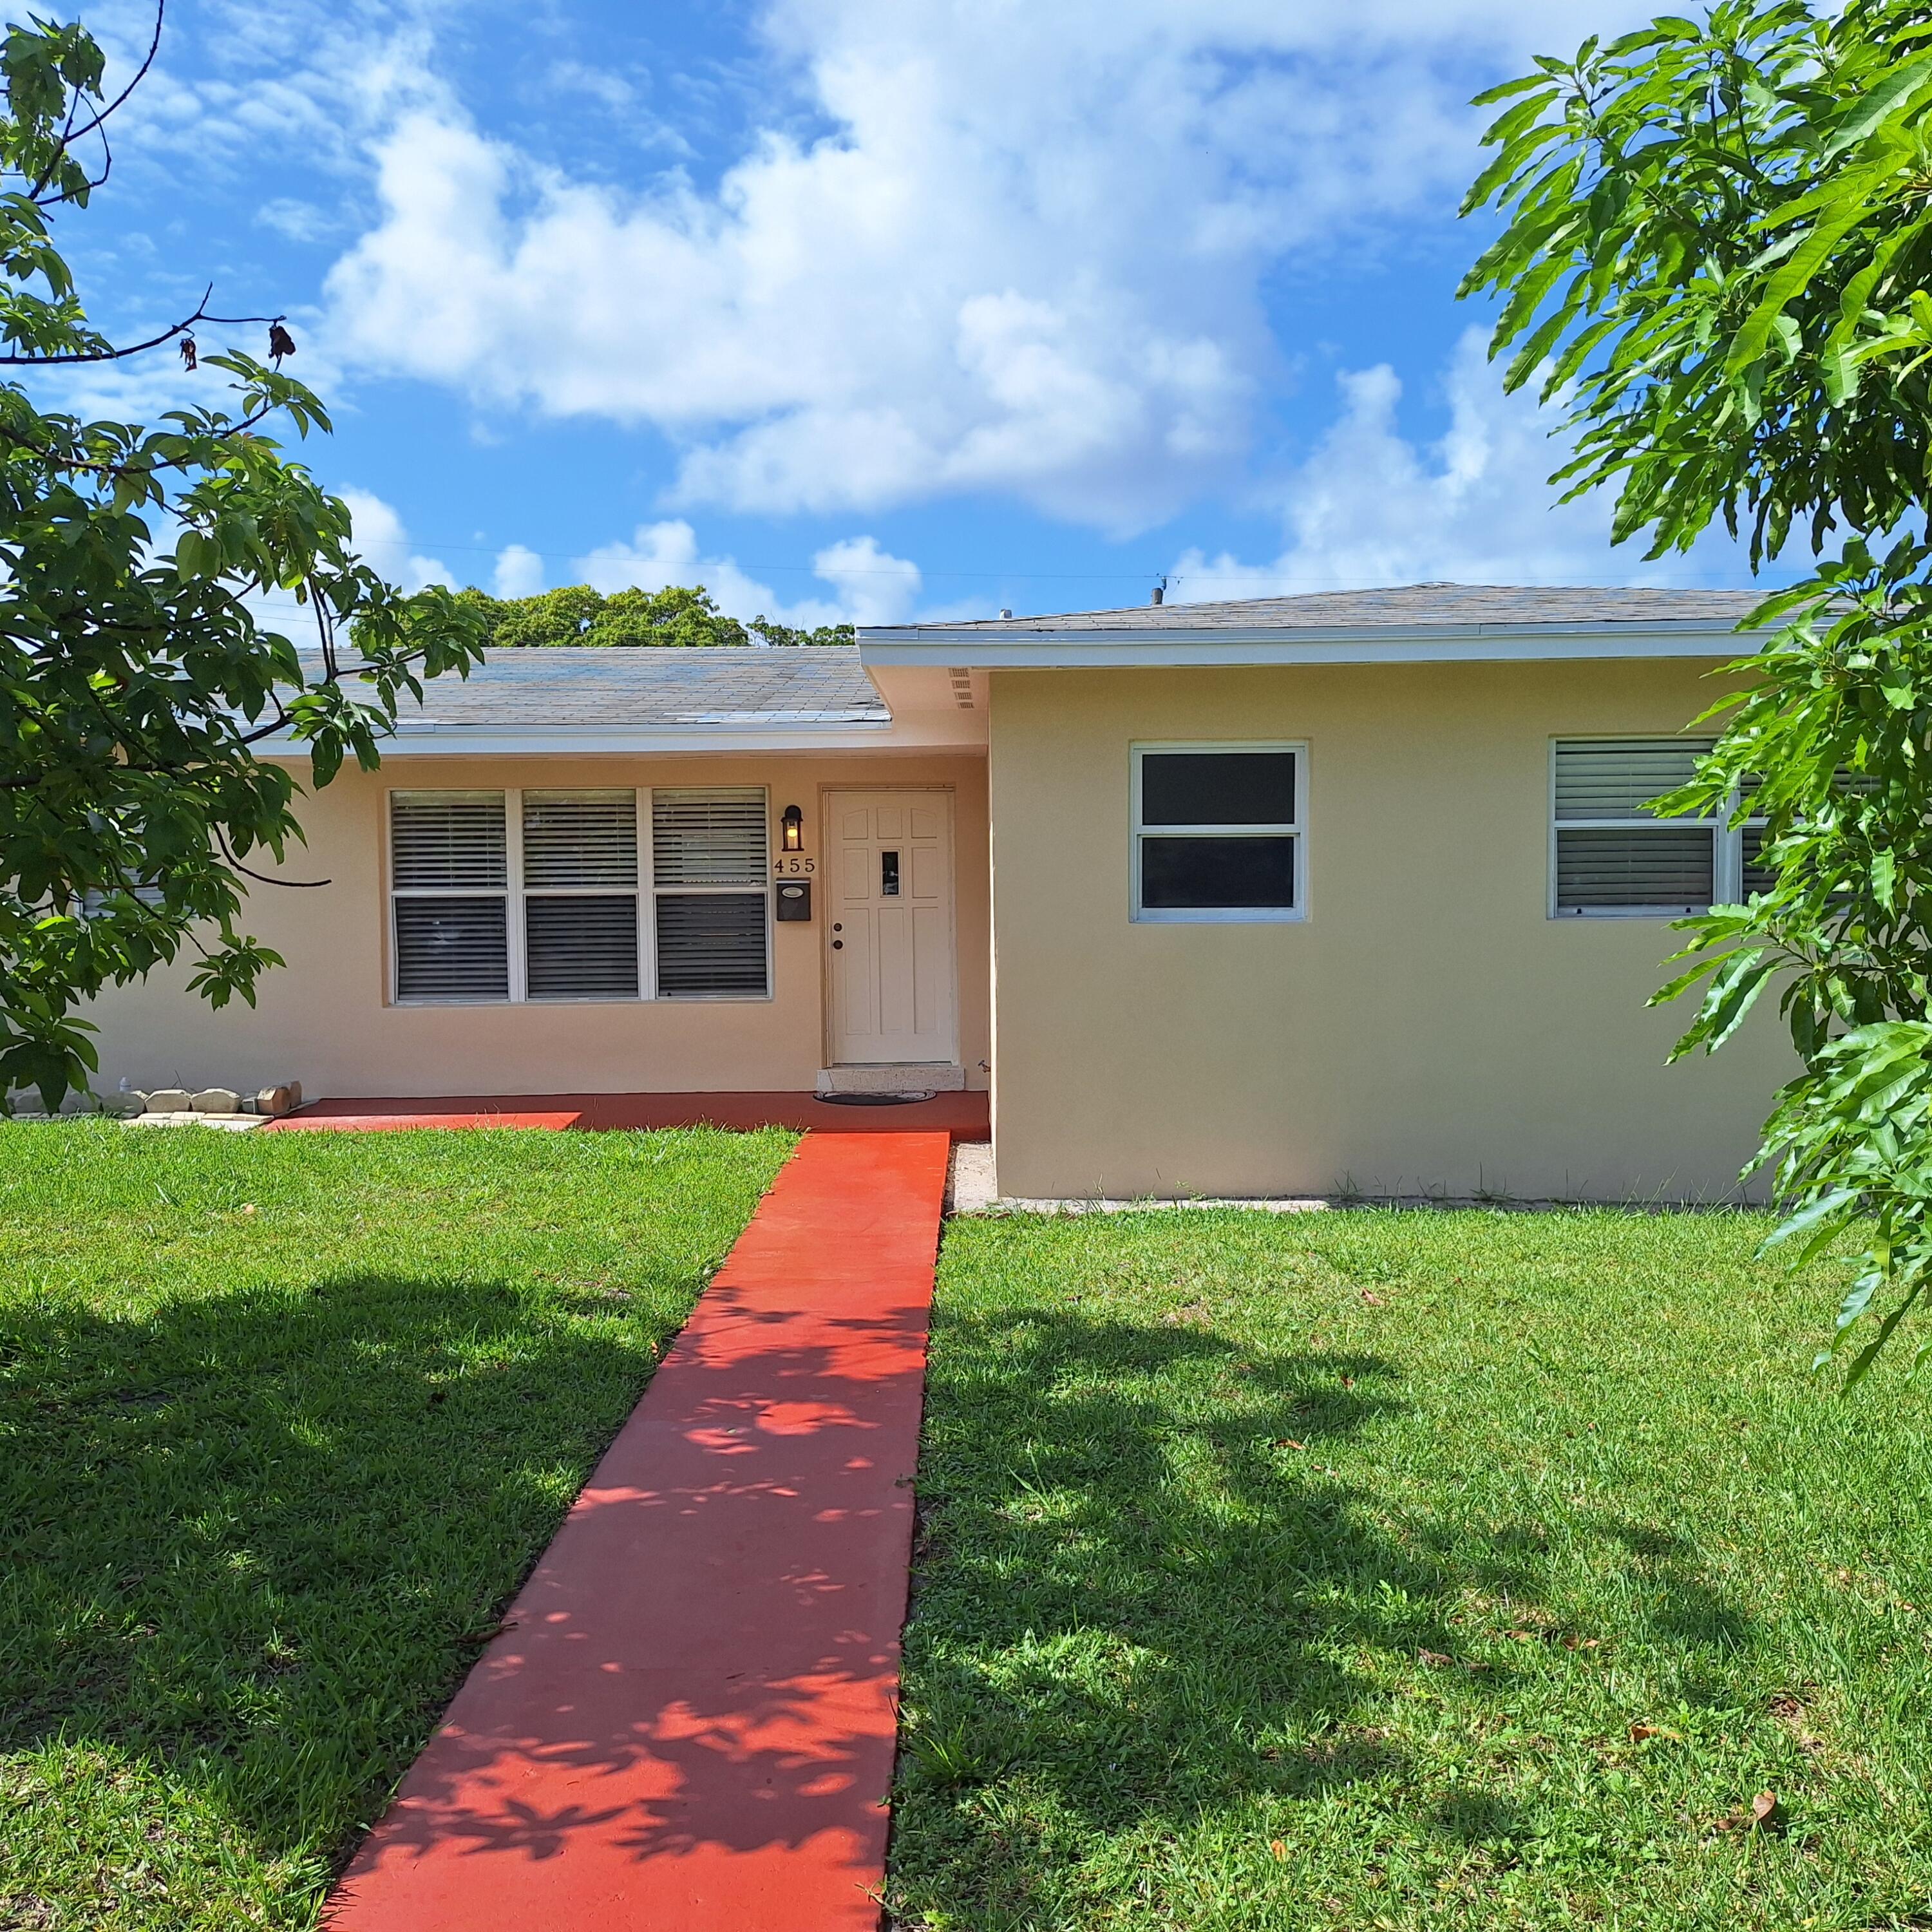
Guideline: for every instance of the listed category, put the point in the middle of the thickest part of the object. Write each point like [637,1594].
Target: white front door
[889,923]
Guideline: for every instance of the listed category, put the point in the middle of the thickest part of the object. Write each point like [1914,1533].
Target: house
[1272,897]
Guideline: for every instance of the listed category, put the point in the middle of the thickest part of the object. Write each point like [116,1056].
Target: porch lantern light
[792,822]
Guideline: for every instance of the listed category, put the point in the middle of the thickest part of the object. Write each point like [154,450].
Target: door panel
[894,992]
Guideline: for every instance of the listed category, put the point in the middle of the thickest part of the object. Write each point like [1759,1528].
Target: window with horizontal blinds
[587,840]
[1617,778]
[542,895]
[454,946]
[449,870]
[712,946]
[579,947]
[447,841]
[1662,868]
[580,864]
[711,935]
[94,900]
[713,838]
[1612,854]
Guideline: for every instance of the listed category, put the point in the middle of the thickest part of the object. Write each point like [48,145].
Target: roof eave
[1168,645]
[414,739]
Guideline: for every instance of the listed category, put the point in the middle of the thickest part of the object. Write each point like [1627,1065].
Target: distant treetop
[578,615]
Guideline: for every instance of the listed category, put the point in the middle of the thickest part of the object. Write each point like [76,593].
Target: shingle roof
[617,685]
[1412,604]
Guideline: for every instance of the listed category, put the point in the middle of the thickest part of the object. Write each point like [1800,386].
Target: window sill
[1227,916]
[1575,914]
[615,999]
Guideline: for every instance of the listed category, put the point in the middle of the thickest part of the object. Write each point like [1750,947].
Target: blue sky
[868,308]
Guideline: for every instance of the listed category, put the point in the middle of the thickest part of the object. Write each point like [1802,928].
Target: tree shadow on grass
[258,1539]
[1143,1598]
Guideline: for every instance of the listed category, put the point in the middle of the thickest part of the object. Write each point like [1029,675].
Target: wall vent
[962,686]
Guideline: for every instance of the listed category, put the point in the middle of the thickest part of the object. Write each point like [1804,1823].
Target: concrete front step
[917,1077]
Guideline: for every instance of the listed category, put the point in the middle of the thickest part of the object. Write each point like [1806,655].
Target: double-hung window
[1611,857]
[449,874]
[1219,833]
[710,861]
[580,868]
[604,894]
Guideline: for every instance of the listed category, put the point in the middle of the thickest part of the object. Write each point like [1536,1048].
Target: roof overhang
[986,647]
[423,739]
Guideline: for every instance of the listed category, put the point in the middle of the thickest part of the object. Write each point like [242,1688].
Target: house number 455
[794,864]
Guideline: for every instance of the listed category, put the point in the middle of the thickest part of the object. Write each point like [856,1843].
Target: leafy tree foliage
[1715,260]
[578,615]
[136,680]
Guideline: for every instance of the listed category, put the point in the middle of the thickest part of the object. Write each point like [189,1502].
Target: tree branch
[294,885]
[71,133]
[182,328]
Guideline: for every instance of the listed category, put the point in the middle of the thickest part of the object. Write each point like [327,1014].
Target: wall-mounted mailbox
[795,899]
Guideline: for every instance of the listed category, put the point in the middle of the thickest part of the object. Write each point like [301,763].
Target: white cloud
[519,572]
[871,586]
[380,537]
[611,90]
[1370,506]
[297,220]
[236,81]
[1028,259]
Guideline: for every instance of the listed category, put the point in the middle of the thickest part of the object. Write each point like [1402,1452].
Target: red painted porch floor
[965,1116]
[688,1720]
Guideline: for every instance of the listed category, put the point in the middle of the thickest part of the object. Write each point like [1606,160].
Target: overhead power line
[423,546]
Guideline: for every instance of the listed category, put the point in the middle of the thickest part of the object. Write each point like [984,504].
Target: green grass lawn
[1376,1570]
[284,1420]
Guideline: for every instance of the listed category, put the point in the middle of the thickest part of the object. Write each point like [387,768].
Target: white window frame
[513,854]
[1727,864]
[1295,915]
[648,857]
[515,892]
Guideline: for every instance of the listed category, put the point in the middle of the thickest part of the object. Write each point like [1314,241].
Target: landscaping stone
[233,1123]
[275,1101]
[217,1100]
[168,1100]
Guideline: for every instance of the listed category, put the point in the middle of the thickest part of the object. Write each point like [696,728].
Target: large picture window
[1611,857]
[605,894]
[1218,832]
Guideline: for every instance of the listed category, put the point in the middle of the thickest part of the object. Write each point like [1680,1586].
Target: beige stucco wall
[1428,1026]
[326,1018]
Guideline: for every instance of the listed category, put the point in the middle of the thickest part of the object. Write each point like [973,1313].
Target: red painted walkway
[964,1116]
[688,1721]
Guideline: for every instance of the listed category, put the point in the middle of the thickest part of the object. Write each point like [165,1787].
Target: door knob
[838,945]
[836,927]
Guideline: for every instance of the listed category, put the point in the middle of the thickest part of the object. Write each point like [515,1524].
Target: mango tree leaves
[1715,260]
[135,681]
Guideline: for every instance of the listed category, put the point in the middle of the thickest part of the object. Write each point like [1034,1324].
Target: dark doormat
[871,1099]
